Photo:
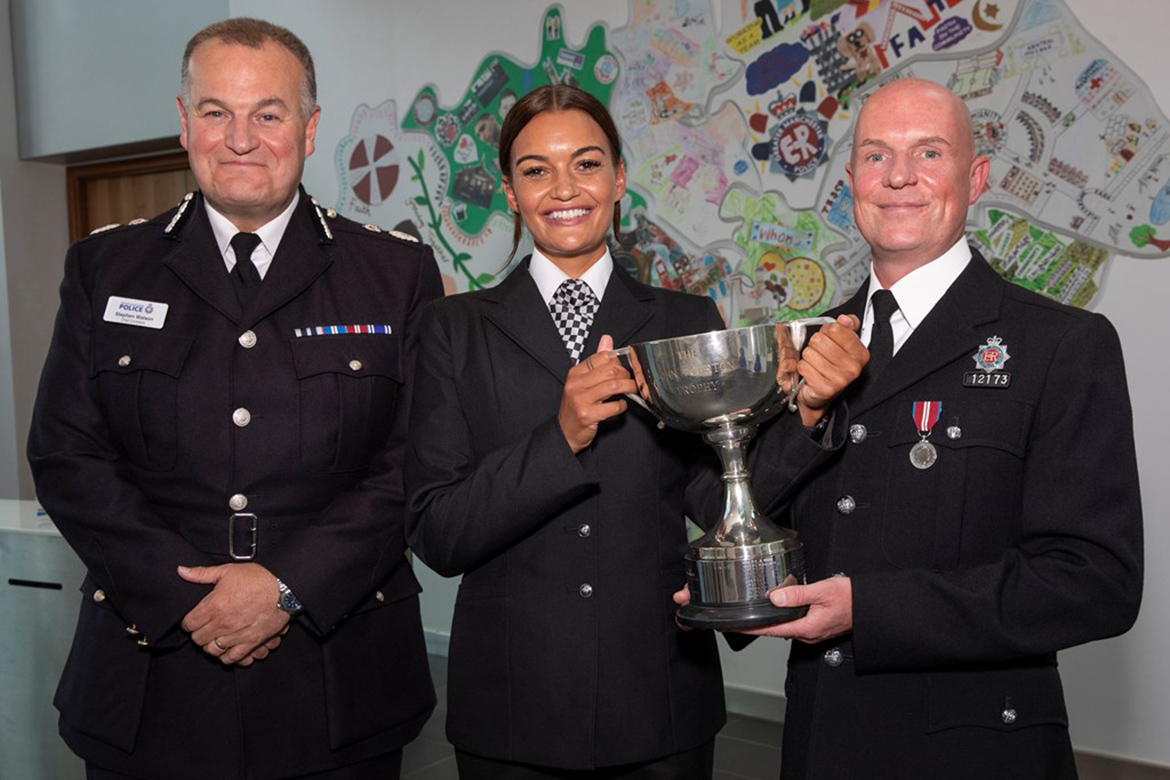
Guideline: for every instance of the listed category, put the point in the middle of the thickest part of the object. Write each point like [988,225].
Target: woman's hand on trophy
[830,610]
[831,361]
[588,388]
[682,597]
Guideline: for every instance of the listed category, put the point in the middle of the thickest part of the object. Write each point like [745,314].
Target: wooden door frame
[77,176]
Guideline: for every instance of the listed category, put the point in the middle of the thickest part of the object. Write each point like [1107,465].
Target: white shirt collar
[270,235]
[917,292]
[548,277]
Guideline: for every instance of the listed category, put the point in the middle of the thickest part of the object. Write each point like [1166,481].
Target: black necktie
[881,339]
[246,277]
[573,306]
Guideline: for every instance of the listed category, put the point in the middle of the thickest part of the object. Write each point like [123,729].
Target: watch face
[288,602]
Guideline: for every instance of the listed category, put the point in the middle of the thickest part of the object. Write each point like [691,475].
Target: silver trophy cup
[723,384]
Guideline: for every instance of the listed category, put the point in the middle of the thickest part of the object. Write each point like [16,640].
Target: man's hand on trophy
[831,361]
[588,389]
[830,610]
[682,598]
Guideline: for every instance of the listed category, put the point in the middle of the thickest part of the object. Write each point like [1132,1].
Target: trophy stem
[732,568]
[741,523]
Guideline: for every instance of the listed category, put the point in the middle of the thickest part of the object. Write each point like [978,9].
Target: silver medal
[923,455]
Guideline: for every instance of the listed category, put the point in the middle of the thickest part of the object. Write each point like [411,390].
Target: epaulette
[396,233]
[347,225]
[114,225]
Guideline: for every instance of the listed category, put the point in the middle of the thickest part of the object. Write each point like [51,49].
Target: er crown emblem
[992,355]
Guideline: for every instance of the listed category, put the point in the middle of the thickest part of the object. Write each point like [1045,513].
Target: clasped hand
[830,362]
[588,388]
[238,622]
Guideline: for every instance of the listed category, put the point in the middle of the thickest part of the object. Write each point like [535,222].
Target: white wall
[32,247]
[90,73]
[1119,690]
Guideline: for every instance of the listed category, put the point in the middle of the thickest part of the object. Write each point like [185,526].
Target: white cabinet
[39,580]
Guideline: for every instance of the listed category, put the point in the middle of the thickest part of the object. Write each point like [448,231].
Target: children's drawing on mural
[737,139]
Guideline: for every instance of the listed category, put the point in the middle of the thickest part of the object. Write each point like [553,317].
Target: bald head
[940,101]
[914,174]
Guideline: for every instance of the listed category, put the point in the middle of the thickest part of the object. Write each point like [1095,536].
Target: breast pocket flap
[350,355]
[126,351]
[1000,424]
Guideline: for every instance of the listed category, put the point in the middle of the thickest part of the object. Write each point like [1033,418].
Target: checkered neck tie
[573,306]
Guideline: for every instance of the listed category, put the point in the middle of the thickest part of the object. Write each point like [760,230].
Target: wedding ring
[589,362]
[217,644]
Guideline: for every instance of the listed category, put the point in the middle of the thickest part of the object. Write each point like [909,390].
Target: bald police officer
[983,512]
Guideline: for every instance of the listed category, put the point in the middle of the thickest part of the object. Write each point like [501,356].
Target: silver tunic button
[99,595]
[585,590]
[380,596]
[132,629]
[247,339]
[124,361]
[143,642]
[1009,715]
[833,657]
[954,432]
[846,505]
[355,365]
[584,530]
[241,417]
[238,502]
[857,433]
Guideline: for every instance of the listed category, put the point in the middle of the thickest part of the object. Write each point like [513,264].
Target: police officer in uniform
[218,434]
[983,512]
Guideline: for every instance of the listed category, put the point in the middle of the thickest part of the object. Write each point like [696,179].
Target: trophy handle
[624,352]
[810,322]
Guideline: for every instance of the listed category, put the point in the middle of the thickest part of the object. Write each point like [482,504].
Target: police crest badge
[989,359]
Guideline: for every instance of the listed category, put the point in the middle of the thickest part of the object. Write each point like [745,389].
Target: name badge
[130,311]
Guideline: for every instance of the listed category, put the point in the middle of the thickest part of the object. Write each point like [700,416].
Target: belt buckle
[247,517]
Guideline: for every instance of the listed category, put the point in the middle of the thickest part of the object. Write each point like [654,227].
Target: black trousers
[695,764]
[387,767]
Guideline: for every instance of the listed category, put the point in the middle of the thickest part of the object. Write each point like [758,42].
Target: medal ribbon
[926,414]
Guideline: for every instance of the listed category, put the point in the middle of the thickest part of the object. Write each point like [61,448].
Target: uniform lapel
[948,332]
[625,309]
[516,308]
[196,260]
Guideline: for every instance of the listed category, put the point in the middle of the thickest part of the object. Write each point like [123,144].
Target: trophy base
[738,616]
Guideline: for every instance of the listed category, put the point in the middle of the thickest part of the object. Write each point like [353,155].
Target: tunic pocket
[349,388]
[138,376]
[971,493]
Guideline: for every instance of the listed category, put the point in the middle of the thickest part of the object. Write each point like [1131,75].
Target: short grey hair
[253,33]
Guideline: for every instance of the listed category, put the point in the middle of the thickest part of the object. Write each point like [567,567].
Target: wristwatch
[817,432]
[287,600]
